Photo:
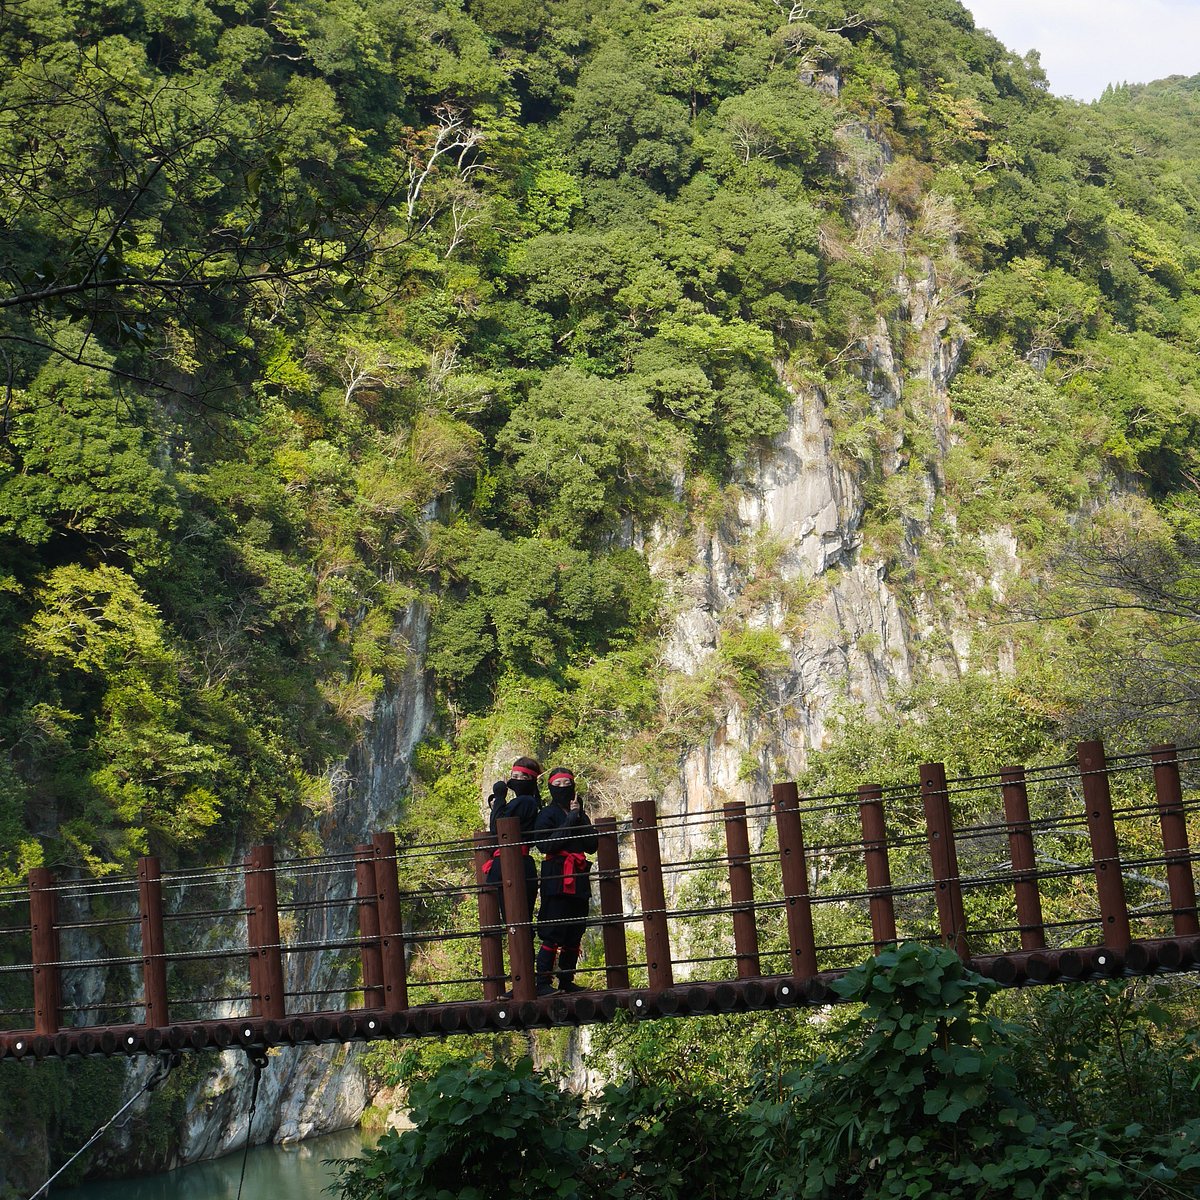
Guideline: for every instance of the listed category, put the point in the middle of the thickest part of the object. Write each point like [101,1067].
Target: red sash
[574,865]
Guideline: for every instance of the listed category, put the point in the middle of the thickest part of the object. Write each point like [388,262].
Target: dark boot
[567,960]
[545,969]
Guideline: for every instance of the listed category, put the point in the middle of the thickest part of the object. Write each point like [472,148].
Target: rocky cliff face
[847,637]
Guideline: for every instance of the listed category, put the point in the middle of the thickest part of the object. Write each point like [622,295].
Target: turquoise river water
[295,1172]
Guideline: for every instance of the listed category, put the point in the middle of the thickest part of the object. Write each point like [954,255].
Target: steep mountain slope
[710,378]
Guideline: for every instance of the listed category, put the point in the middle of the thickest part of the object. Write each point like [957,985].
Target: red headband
[566,775]
[528,772]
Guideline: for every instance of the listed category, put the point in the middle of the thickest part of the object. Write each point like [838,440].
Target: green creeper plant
[928,1102]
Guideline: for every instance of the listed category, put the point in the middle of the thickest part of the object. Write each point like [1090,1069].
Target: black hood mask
[562,787]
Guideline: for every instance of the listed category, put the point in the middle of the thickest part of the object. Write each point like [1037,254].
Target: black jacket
[564,837]
[523,802]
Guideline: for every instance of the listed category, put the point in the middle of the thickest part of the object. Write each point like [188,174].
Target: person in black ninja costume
[524,804]
[565,836]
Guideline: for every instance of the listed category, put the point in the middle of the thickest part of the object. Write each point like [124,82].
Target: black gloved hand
[499,791]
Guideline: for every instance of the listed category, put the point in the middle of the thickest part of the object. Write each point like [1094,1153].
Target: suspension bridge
[1067,871]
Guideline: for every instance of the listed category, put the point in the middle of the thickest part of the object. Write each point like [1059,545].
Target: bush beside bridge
[927,1094]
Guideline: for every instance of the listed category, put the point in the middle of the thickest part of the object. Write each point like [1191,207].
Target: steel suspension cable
[166,1063]
[259,1059]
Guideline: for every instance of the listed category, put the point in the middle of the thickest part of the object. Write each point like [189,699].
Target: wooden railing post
[1024,861]
[944,858]
[1180,883]
[741,891]
[368,925]
[491,948]
[154,963]
[517,916]
[391,923]
[251,879]
[879,871]
[801,942]
[43,928]
[659,968]
[612,909]
[266,932]
[1106,860]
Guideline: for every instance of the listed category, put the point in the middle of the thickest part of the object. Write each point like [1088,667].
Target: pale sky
[1086,44]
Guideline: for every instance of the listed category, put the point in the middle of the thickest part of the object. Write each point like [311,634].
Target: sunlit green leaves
[584,450]
[78,467]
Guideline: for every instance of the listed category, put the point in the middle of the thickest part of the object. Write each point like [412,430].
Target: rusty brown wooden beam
[43,928]
[266,946]
[1106,859]
[879,872]
[801,940]
[154,963]
[612,910]
[491,947]
[368,925]
[741,891]
[943,857]
[250,882]
[517,917]
[391,922]
[1022,855]
[659,969]
[1180,881]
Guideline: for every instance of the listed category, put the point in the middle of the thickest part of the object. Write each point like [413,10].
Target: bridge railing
[1062,870]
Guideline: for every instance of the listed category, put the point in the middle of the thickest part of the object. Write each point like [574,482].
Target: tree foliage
[285,288]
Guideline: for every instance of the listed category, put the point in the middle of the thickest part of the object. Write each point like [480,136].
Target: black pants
[531,884]
[562,920]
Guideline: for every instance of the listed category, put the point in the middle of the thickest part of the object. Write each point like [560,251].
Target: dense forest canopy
[314,310]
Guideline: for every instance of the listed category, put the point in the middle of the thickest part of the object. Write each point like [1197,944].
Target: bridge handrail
[770,898]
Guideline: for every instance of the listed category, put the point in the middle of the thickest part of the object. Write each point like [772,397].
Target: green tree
[619,122]
[704,49]
[584,450]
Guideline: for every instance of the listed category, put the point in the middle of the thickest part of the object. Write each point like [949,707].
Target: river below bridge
[294,1172]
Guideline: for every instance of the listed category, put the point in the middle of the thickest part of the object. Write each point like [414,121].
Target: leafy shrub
[926,1096]
[1109,1053]
[929,1101]
[481,1132]
[666,1141]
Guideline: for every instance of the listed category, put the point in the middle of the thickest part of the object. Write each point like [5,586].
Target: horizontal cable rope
[195,1003]
[193,914]
[316,867]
